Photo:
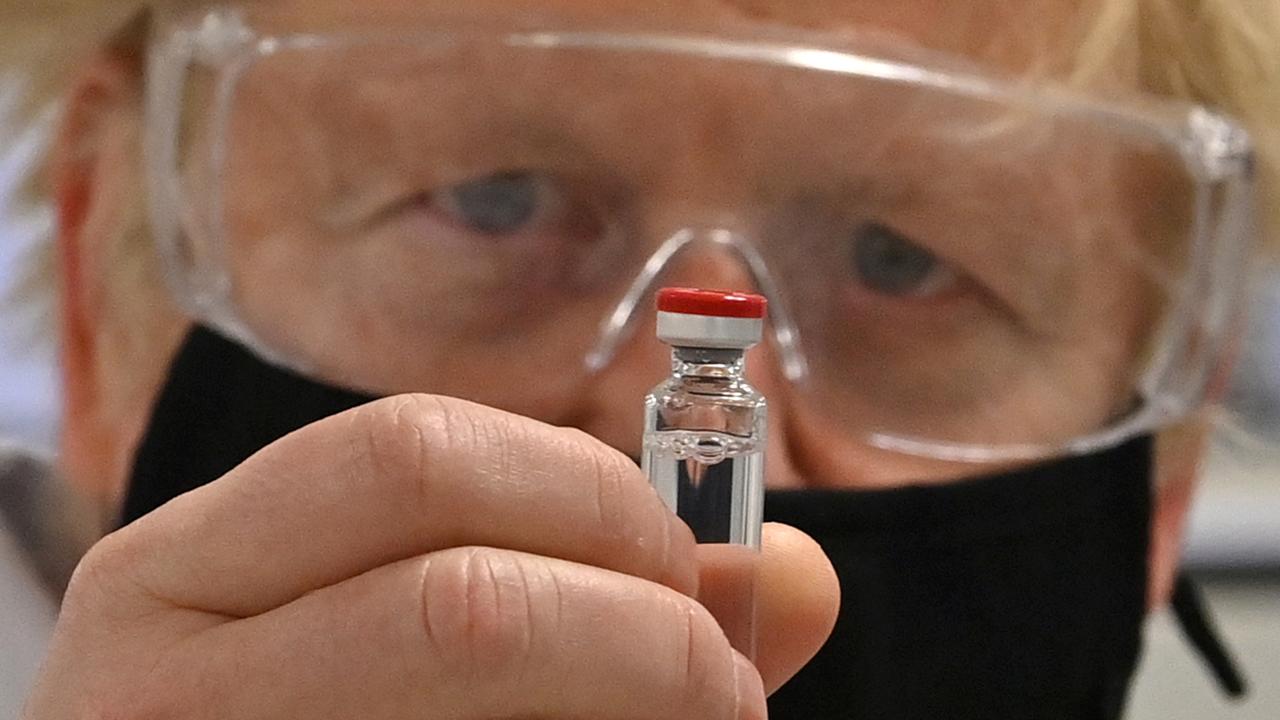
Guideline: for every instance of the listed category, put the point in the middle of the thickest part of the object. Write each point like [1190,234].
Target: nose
[611,406]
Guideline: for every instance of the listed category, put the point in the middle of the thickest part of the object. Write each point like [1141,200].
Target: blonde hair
[40,48]
[1222,53]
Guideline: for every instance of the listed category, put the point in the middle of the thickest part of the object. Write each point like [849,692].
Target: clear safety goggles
[958,265]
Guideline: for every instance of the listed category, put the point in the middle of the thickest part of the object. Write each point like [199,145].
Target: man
[980,331]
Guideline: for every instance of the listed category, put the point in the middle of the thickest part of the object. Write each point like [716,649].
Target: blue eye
[889,264]
[499,204]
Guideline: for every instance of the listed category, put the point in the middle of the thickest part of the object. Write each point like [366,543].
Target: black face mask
[1013,596]
[1019,595]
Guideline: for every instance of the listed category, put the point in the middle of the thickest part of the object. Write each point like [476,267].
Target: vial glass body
[704,453]
[704,446]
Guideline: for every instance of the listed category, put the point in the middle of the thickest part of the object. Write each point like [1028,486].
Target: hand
[422,557]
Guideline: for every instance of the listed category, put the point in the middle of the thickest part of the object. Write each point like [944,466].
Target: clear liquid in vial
[714,482]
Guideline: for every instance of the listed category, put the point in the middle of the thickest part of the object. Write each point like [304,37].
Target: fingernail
[751,700]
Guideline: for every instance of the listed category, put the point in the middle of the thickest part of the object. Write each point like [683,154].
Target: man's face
[331,206]
[460,221]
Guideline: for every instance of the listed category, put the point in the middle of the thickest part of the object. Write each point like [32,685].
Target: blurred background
[1233,546]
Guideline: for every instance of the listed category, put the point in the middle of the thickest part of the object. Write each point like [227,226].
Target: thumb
[797,598]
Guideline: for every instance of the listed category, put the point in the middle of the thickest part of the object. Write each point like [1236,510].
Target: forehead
[1010,36]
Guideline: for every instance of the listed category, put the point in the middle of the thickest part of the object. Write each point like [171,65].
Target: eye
[501,204]
[888,263]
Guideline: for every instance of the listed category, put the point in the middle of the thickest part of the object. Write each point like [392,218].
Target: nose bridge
[712,258]
[705,257]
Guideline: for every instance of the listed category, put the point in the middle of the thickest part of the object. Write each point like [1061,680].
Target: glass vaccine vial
[704,440]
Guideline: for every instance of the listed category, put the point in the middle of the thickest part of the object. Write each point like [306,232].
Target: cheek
[825,457]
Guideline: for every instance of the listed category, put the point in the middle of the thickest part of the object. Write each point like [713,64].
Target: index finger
[393,479]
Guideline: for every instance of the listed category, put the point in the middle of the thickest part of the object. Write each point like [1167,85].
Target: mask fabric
[1017,596]
[219,405]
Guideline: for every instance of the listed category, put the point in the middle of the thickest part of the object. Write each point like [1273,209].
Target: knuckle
[703,653]
[476,612]
[87,578]
[630,520]
[400,441]
[101,576]
[611,475]
[613,506]
[392,435]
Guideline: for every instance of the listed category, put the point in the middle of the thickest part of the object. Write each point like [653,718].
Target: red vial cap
[714,303]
